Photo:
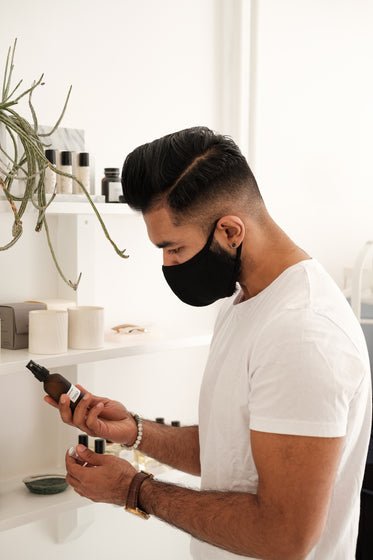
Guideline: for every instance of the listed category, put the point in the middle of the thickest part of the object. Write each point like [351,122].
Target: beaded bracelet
[139,434]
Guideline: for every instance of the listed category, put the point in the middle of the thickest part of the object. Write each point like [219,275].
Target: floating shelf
[79,207]
[14,361]
[19,506]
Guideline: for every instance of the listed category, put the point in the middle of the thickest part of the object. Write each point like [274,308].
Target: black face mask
[206,277]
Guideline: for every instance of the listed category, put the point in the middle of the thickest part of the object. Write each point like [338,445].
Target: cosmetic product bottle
[82,173]
[83,439]
[111,186]
[112,448]
[50,177]
[65,183]
[100,446]
[55,384]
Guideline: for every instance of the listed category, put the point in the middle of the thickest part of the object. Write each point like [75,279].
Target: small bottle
[100,446]
[111,186]
[112,448]
[55,384]
[82,173]
[66,183]
[50,177]
[83,439]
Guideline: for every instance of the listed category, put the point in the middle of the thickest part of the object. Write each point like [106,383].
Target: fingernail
[81,448]
[62,399]
[73,453]
[86,397]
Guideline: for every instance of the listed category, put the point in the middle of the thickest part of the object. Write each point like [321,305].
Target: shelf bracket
[70,525]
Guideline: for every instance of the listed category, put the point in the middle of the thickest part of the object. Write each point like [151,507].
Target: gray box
[14,324]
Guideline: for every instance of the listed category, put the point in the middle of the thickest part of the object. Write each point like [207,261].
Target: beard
[226,257]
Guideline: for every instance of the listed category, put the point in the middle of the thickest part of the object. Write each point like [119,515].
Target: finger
[81,411]
[82,389]
[65,409]
[95,459]
[50,401]
[92,420]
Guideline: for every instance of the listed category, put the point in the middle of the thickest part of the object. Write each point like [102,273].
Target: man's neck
[265,258]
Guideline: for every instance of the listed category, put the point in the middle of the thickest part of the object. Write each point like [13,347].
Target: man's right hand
[98,417]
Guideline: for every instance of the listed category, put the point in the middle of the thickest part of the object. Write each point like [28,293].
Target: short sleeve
[303,373]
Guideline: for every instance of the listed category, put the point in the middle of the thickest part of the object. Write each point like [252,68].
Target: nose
[169,260]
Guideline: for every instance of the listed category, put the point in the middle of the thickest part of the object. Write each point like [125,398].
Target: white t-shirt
[291,360]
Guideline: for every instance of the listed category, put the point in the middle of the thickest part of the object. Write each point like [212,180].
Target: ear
[230,231]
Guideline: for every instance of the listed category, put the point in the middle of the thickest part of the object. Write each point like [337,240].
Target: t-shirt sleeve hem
[297,427]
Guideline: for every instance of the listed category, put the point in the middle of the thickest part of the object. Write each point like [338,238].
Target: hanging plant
[29,166]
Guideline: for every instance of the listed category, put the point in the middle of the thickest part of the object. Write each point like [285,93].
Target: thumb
[86,455]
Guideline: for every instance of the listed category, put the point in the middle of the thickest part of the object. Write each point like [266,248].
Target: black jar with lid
[111,185]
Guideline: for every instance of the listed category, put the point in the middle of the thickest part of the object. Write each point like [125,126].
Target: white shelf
[79,207]
[19,506]
[116,346]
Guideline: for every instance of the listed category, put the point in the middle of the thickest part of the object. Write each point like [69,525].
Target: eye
[174,251]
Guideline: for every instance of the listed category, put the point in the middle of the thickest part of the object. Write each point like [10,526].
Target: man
[285,403]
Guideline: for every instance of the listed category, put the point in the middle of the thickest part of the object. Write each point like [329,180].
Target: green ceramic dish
[46,483]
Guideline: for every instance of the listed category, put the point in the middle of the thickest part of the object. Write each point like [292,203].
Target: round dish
[46,483]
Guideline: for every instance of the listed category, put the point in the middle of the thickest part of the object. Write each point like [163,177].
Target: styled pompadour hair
[188,170]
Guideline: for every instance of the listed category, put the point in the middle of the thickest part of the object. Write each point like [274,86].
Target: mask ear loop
[211,236]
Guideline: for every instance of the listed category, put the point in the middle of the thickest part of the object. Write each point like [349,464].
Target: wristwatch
[133,494]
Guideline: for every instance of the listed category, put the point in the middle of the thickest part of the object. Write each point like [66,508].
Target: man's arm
[286,517]
[174,446]
[103,417]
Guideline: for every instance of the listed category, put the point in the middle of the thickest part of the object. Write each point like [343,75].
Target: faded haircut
[195,172]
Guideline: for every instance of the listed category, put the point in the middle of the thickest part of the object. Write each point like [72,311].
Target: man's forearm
[230,520]
[174,446]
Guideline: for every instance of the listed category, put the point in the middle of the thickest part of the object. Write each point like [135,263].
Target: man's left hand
[104,479]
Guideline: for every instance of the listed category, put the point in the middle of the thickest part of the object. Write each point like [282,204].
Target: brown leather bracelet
[133,494]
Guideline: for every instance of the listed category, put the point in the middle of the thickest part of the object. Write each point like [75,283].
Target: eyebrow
[164,244]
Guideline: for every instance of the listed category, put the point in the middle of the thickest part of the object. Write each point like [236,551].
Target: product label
[114,191]
[73,393]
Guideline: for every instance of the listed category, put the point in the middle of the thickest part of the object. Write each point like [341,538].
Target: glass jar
[111,185]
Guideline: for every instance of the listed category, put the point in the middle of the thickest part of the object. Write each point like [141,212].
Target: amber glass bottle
[55,384]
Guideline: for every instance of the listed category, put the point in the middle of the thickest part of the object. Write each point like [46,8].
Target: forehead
[163,232]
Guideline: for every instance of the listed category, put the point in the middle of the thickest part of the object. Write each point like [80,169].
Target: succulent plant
[29,164]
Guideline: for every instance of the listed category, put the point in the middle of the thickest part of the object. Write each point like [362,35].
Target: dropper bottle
[55,384]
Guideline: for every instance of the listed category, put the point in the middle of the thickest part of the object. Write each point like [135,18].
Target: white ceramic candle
[86,327]
[48,331]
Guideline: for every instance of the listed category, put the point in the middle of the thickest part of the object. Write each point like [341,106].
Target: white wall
[314,117]
[139,70]
[142,69]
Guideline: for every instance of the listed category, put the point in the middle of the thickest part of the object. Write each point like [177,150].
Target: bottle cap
[41,373]
[83,159]
[100,446]
[51,156]
[159,420]
[111,171]
[83,439]
[175,423]
[65,158]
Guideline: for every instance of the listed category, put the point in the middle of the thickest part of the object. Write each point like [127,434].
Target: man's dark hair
[190,171]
